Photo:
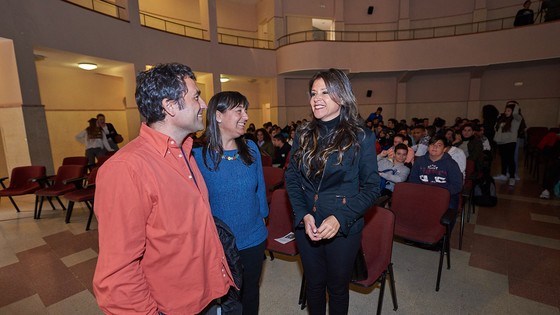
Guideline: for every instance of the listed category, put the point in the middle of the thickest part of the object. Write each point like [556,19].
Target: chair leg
[447,246]
[60,203]
[462,227]
[382,281]
[392,286]
[271,255]
[37,214]
[69,211]
[302,293]
[90,207]
[13,203]
[52,204]
[441,254]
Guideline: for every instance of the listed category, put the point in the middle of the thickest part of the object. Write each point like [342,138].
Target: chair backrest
[273,176]
[377,241]
[280,213]
[469,174]
[266,160]
[535,135]
[418,210]
[91,176]
[21,176]
[66,172]
[75,160]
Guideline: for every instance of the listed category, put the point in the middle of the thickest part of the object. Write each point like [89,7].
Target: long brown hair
[506,120]
[345,134]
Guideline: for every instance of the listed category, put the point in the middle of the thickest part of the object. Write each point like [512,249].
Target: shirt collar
[163,142]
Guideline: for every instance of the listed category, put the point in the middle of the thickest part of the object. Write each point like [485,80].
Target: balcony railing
[173,27]
[395,35]
[245,41]
[102,6]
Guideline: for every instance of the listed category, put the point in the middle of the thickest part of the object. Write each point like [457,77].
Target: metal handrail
[177,28]
[397,35]
[103,10]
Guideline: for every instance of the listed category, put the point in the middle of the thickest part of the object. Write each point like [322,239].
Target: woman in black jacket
[332,180]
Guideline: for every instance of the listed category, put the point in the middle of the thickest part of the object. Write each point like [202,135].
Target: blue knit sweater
[238,195]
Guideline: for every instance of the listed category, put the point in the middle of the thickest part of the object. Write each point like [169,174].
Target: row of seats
[419,215]
[71,181]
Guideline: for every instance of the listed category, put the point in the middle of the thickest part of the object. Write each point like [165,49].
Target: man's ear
[168,107]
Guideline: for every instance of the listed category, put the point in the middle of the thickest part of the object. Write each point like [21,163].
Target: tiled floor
[510,264]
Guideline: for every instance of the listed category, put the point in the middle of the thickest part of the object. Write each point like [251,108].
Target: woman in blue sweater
[233,173]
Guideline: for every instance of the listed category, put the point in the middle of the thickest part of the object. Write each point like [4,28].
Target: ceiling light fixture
[224,79]
[87,66]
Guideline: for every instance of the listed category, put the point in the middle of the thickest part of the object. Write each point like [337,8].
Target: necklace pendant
[316,197]
[314,209]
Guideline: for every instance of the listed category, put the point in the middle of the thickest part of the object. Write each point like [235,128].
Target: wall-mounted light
[518,83]
[224,79]
[87,66]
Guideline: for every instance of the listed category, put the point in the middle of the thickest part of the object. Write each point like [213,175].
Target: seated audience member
[390,153]
[449,134]
[376,115]
[471,145]
[439,124]
[264,142]
[421,140]
[458,156]
[282,150]
[383,139]
[392,170]
[392,124]
[439,169]
[550,148]
[479,132]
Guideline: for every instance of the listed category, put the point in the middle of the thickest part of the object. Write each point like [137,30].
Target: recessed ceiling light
[518,83]
[224,79]
[87,66]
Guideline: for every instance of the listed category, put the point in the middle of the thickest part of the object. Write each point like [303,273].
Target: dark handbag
[360,270]
[118,138]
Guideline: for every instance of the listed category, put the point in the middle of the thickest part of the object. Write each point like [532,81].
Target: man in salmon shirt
[159,250]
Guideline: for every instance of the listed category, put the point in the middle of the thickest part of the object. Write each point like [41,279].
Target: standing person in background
[524,16]
[232,170]
[507,127]
[332,181]
[159,250]
[109,131]
[95,141]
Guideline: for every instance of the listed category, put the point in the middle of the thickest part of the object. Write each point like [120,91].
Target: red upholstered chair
[266,160]
[59,186]
[466,198]
[85,193]
[273,179]
[22,182]
[279,224]
[377,244]
[422,216]
[75,160]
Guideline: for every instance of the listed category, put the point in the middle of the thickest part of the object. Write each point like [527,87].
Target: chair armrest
[43,180]
[382,201]
[276,186]
[78,181]
[448,216]
[90,185]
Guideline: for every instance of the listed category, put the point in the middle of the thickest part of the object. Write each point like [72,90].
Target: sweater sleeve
[261,186]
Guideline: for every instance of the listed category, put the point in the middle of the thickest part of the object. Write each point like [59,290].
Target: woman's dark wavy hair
[506,120]
[164,81]
[213,147]
[345,134]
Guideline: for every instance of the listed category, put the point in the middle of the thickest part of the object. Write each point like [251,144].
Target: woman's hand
[329,228]
[310,228]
